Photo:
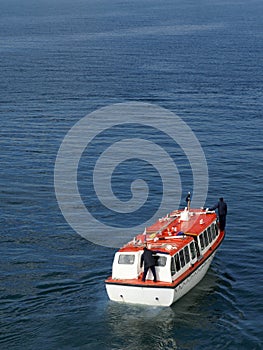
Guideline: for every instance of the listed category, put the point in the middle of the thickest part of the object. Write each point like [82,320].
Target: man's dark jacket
[222,208]
[147,258]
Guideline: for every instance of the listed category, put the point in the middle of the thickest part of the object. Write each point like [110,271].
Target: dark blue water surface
[61,60]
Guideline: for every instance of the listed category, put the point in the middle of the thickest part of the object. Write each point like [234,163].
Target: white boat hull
[193,279]
[154,295]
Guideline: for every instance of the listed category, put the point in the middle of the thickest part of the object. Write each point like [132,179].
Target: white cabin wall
[126,271]
[163,273]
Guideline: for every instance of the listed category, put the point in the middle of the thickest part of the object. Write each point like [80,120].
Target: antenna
[188,200]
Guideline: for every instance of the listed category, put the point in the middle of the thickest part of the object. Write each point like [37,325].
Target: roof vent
[185,215]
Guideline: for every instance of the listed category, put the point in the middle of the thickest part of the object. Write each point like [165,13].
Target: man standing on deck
[149,263]
[221,206]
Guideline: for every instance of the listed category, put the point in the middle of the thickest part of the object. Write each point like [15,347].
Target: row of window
[128,259]
[208,236]
[182,258]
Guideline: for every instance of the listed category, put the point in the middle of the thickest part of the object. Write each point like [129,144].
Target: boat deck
[149,283]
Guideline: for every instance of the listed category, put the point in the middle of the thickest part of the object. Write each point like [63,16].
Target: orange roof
[171,233]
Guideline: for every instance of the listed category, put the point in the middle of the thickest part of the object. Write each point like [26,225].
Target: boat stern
[148,294]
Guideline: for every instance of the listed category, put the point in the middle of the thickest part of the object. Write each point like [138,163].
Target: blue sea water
[61,60]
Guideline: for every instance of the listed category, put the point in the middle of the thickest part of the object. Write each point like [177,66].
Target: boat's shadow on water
[140,327]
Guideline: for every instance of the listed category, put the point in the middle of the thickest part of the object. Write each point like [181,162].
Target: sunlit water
[62,60]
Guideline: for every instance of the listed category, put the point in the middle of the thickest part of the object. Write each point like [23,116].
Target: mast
[188,200]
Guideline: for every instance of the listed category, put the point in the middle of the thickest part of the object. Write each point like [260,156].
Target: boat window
[213,231]
[181,254]
[216,228]
[206,238]
[160,260]
[192,249]
[173,270]
[201,241]
[177,262]
[126,259]
[209,234]
[187,255]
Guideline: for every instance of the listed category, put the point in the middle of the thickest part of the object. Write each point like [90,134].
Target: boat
[184,243]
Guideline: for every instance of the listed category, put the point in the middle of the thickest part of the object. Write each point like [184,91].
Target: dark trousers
[222,222]
[146,268]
